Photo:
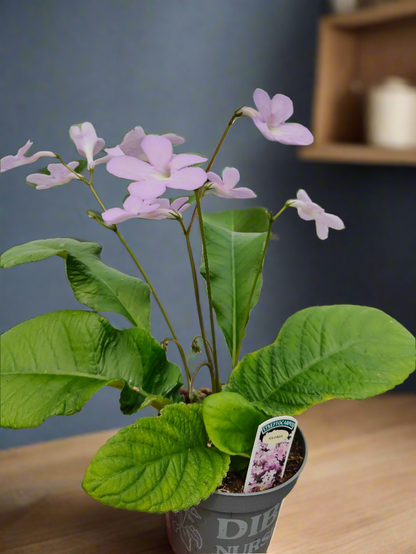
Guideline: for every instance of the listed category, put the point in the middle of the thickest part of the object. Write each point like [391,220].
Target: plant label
[270,453]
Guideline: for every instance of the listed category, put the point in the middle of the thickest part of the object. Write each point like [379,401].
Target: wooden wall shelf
[355,52]
[357,154]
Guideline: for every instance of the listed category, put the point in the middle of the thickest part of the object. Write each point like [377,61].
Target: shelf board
[356,154]
[373,16]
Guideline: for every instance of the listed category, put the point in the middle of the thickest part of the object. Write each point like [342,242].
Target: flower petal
[179,204]
[242,193]
[303,196]
[282,108]
[131,145]
[147,190]
[321,229]
[137,205]
[230,177]
[111,153]
[292,133]
[264,129]
[117,215]
[174,139]
[332,221]
[10,162]
[127,167]
[158,150]
[249,112]
[238,193]
[59,175]
[190,178]
[86,140]
[216,179]
[185,160]
[263,103]
[304,215]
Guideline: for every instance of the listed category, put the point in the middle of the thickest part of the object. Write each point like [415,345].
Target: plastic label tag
[270,453]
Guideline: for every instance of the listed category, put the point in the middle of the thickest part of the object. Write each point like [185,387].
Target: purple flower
[132,146]
[308,211]
[10,162]
[163,169]
[146,209]
[86,141]
[271,116]
[225,187]
[59,175]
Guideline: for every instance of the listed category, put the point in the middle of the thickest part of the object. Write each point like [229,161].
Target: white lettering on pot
[223,528]
[259,524]
[269,517]
[254,525]
[246,548]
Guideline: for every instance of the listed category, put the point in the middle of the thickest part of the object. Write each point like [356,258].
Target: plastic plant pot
[231,523]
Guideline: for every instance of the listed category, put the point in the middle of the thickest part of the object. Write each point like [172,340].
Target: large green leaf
[158,464]
[95,284]
[326,352]
[53,364]
[231,422]
[235,242]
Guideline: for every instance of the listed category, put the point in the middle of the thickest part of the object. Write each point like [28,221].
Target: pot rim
[274,489]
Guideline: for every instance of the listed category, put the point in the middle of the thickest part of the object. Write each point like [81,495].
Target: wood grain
[356,153]
[357,494]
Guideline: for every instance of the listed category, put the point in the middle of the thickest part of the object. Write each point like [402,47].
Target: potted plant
[176,461]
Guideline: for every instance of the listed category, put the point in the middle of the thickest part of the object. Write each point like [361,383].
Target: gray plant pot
[231,523]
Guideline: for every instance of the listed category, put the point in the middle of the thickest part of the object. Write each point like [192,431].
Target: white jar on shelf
[391,114]
[343,6]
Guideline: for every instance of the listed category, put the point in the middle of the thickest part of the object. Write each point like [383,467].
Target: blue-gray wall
[184,66]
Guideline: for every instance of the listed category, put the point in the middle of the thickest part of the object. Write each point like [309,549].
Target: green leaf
[95,284]
[231,422]
[53,364]
[238,463]
[235,242]
[158,464]
[326,352]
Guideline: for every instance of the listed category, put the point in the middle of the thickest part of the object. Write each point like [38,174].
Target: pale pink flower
[271,116]
[163,169]
[10,162]
[59,175]
[134,207]
[86,141]
[225,187]
[132,146]
[309,211]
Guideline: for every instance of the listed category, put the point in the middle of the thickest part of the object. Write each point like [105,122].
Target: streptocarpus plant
[52,364]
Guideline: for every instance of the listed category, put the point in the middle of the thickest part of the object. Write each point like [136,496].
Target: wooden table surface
[357,494]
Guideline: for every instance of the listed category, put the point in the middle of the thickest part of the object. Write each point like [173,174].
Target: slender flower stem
[235,116]
[136,261]
[207,343]
[272,219]
[208,280]
[185,363]
[198,302]
[197,209]
[281,211]
[146,278]
[230,124]
[196,371]
[78,175]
